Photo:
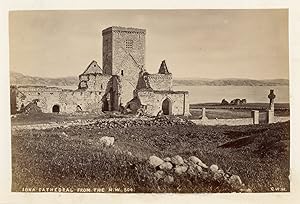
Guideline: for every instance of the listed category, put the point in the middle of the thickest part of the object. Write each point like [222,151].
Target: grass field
[74,157]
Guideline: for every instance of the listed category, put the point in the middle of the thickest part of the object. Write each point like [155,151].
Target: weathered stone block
[255,116]
[270,116]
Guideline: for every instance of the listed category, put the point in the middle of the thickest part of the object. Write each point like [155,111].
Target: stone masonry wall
[98,82]
[67,100]
[160,81]
[107,53]
[154,100]
[120,46]
[47,97]
[127,45]
[123,56]
[127,91]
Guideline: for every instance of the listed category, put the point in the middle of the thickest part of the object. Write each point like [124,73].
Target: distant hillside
[230,82]
[20,79]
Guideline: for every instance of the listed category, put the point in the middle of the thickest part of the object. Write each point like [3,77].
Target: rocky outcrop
[224,102]
[238,101]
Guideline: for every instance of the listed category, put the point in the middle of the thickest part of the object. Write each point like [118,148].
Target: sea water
[253,94]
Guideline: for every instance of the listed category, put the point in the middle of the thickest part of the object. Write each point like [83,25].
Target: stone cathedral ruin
[121,82]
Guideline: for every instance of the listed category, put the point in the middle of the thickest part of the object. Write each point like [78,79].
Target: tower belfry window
[128,44]
[122,72]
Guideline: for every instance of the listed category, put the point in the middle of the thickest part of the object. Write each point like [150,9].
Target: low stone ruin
[31,108]
[166,168]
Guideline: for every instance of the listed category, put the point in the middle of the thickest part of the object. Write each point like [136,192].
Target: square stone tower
[124,58]
[123,51]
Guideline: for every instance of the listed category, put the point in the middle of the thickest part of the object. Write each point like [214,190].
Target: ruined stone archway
[55,109]
[167,107]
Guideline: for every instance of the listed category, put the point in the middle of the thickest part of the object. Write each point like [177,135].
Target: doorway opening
[167,107]
[55,109]
[105,105]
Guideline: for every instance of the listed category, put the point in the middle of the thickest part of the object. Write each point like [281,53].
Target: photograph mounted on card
[150,101]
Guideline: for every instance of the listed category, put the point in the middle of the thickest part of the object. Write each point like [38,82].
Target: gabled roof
[93,68]
[163,69]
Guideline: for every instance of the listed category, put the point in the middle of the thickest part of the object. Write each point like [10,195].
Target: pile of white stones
[167,167]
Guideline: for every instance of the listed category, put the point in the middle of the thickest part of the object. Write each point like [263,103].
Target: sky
[213,44]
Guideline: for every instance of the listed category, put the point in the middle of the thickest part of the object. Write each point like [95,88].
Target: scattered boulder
[177,160]
[194,159]
[197,161]
[235,182]
[219,175]
[246,190]
[193,166]
[167,159]
[214,168]
[180,169]
[107,141]
[159,174]
[166,166]
[193,170]
[155,161]
[204,175]
[220,171]
[169,179]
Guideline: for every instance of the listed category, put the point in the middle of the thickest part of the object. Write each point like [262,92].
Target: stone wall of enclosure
[171,103]
[52,99]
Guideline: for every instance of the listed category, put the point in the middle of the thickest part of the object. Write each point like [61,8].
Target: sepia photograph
[149,101]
